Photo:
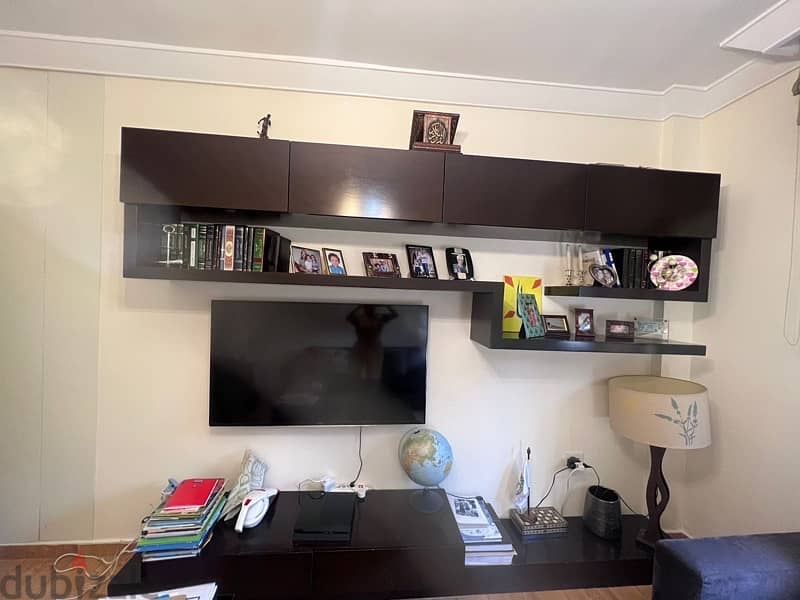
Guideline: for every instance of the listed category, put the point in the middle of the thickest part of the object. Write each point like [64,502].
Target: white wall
[748,480]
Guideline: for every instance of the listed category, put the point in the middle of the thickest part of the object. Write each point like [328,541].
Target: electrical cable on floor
[99,579]
[360,457]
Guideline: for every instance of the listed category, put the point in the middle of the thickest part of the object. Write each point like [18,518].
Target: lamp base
[645,540]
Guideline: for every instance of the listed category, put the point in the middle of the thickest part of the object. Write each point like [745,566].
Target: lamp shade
[660,411]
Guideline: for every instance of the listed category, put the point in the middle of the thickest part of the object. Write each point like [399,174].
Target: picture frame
[421,264]
[459,263]
[604,275]
[584,323]
[381,264]
[656,329]
[620,330]
[334,262]
[432,130]
[528,311]
[306,260]
[556,326]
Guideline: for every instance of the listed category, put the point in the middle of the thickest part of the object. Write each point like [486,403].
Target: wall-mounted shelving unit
[171,177]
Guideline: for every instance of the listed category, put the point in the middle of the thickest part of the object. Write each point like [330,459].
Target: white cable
[99,578]
[793,337]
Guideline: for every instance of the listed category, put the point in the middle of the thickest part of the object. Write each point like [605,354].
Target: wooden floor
[26,572]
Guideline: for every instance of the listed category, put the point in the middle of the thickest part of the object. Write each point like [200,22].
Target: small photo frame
[604,275]
[556,326]
[306,260]
[421,263]
[380,264]
[620,330]
[584,323]
[459,263]
[334,261]
[528,311]
[657,329]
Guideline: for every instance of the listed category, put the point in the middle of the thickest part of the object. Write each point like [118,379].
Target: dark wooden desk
[395,552]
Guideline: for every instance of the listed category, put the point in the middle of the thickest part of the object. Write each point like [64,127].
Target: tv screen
[302,363]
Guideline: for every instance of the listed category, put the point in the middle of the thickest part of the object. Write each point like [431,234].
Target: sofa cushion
[755,567]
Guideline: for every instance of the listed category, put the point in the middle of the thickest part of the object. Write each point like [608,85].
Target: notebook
[192,494]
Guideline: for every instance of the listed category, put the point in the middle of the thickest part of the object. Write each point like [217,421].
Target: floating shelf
[443,285]
[625,293]
[599,344]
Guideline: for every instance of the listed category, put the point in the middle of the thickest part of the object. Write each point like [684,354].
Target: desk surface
[395,552]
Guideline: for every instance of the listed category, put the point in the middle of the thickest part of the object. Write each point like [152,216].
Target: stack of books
[206,591]
[182,524]
[486,542]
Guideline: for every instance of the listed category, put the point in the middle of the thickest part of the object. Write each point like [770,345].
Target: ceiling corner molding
[155,61]
[774,32]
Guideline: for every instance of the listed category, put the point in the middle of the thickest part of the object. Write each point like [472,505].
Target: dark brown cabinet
[204,170]
[652,202]
[377,183]
[481,190]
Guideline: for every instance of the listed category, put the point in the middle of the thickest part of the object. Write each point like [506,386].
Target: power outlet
[576,453]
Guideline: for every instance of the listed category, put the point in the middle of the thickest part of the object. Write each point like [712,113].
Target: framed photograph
[556,326]
[459,263]
[433,131]
[334,261]
[421,263]
[584,323]
[379,264]
[306,260]
[528,311]
[620,330]
[657,329]
[604,275]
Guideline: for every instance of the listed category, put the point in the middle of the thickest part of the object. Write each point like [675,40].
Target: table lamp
[662,413]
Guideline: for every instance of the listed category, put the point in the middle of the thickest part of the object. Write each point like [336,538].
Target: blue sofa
[752,567]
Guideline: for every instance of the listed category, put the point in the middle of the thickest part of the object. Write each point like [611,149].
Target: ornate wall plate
[674,273]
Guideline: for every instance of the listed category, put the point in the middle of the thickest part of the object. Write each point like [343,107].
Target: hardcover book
[229,249]
[238,249]
[258,250]
[201,247]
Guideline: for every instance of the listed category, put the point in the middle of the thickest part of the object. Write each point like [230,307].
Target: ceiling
[632,45]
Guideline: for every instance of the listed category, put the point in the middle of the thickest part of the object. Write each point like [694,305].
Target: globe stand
[426,501]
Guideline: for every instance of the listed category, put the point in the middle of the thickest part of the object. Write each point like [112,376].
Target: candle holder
[568,274]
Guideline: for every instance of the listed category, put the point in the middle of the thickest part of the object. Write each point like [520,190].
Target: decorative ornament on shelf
[433,131]
[427,459]
[263,130]
[673,273]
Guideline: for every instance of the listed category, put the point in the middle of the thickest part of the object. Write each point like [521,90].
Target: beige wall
[50,173]
[748,480]
[123,403]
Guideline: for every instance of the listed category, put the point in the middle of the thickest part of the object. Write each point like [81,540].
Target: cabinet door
[377,183]
[199,169]
[652,202]
[481,190]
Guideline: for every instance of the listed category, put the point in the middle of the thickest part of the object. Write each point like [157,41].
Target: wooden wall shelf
[350,281]
[625,293]
[599,344]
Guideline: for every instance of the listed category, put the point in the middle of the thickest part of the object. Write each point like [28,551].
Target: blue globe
[426,456]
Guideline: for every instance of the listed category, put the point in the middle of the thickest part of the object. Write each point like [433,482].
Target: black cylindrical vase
[602,513]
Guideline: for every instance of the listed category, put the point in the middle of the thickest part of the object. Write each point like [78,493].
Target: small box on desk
[538,522]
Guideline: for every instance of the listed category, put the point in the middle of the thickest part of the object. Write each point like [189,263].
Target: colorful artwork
[674,273]
[528,310]
[525,284]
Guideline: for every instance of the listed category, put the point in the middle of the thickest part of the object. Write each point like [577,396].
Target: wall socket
[576,453]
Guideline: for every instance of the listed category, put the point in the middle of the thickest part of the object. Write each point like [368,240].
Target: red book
[193,494]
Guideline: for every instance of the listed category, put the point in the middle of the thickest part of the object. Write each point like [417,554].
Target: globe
[426,456]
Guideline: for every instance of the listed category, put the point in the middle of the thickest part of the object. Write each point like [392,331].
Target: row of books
[486,542]
[222,247]
[182,523]
[630,265]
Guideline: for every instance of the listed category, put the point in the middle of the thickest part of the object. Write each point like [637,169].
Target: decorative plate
[673,273]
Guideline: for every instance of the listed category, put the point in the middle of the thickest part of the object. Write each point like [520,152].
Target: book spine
[239,248]
[193,246]
[258,250]
[284,255]
[251,240]
[209,247]
[644,258]
[637,262]
[271,251]
[201,247]
[625,274]
[179,243]
[246,256]
[229,249]
[631,267]
[218,246]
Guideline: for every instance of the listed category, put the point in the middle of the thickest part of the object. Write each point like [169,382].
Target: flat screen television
[303,363]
